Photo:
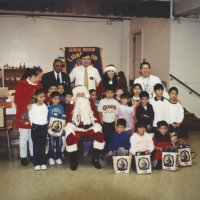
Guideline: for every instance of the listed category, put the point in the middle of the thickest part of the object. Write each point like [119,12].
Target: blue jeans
[58,140]
[86,146]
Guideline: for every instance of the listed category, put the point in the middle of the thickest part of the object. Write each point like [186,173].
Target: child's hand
[64,125]
[175,125]
[147,152]
[110,153]
[148,127]
[160,149]
[29,106]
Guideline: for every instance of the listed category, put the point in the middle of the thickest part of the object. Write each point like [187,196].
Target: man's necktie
[86,78]
[58,78]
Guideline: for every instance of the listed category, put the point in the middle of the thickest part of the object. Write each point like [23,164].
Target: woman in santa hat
[109,78]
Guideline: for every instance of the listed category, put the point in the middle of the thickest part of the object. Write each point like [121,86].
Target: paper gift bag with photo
[121,162]
[184,156]
[174,139]
[143,163]
[2,117]
[170,159]
[57,123]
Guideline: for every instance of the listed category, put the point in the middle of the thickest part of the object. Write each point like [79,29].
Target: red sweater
[100,90]
[162,144]
[23,97]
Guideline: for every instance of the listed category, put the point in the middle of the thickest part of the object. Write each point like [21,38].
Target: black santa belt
[85,126]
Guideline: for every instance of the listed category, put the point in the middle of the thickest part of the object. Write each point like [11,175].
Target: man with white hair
[83,122]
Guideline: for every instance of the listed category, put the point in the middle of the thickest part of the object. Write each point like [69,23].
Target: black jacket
[145,116]
[49,79]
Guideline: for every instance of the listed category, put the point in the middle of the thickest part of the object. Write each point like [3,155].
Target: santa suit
[92,131]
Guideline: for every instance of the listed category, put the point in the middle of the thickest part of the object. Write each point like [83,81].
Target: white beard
[82,112]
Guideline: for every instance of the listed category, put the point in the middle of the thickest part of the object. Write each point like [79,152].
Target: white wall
[185,61]
[37,41]
[155,44]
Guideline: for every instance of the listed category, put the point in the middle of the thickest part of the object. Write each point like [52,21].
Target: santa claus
[83,122]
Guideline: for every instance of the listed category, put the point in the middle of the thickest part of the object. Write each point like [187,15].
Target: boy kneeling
[120,138]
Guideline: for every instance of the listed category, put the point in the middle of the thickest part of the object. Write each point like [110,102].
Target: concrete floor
[88,183]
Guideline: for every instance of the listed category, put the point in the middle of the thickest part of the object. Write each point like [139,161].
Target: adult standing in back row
[56,77]
[85,75]
[24,97]
[148,81]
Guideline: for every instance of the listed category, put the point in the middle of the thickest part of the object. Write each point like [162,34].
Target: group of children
[46,106]
[140,124]
[130,121]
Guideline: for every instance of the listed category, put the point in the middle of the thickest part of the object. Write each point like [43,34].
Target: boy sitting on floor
[120,138]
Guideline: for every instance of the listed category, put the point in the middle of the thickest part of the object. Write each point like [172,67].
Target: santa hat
[80,89]
[110,68]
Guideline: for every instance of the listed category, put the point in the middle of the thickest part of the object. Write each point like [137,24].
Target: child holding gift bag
[161,140]
[141,141]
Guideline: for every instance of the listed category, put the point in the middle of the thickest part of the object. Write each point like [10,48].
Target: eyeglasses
[58,65]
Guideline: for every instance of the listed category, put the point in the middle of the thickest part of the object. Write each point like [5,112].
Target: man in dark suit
[56,77]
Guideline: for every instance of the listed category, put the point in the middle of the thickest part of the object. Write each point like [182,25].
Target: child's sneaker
[59,162]
[51,161]
[37,168]
[43,167]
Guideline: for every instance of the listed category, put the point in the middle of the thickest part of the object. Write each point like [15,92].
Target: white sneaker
[51,161]
[59,162]
[43,167]
[37,168]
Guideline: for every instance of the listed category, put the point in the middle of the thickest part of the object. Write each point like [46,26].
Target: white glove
[69,128]
[97,127]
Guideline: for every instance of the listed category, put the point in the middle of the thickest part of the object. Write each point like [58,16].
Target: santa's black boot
[95,158]
[73,160]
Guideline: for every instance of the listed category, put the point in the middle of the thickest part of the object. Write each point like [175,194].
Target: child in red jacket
[161,140]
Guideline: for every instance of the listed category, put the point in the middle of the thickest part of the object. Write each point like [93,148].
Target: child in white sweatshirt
[176,114]
[39,126]
[160,106]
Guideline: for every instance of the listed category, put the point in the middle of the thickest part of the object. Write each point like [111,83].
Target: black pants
[158,165]
[108,130]
[39,137]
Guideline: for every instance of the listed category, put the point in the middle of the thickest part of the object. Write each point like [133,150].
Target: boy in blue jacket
[55,109]
[120,138]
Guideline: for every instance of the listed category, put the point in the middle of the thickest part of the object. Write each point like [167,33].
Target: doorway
[137,53]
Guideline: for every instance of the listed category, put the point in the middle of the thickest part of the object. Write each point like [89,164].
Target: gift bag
[143,163]
[174,139]
[57,124]
[184,155]
[121,162]
[170,159]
